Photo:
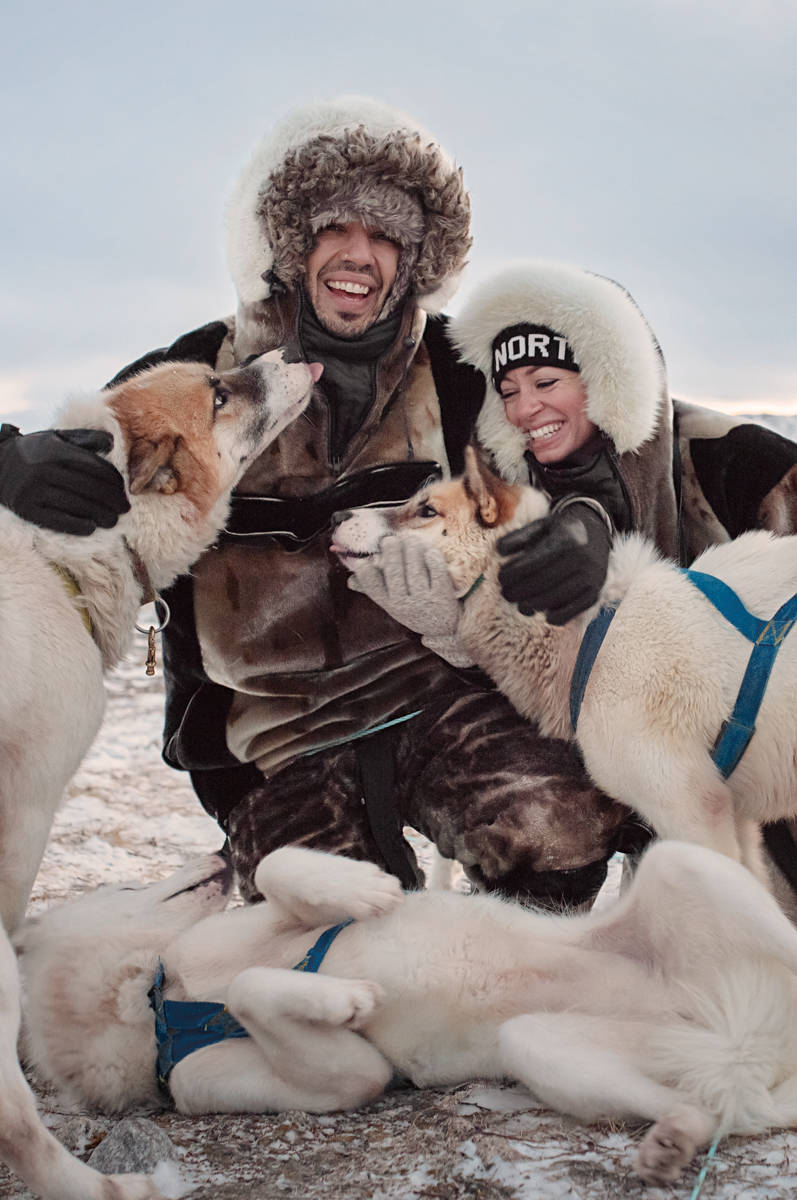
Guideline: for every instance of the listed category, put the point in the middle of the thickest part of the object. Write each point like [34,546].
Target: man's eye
[426,512]
[220,398]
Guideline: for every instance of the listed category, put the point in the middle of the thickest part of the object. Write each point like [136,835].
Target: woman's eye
[545,383]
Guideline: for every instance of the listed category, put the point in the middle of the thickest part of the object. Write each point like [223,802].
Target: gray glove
[412,584]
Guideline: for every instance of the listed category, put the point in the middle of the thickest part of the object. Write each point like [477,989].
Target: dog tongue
[315,370]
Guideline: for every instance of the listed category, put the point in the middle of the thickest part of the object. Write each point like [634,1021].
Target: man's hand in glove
[557,565]
[57,479]
[412,584]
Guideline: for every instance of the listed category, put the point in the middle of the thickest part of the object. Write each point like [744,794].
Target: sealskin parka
[269,655]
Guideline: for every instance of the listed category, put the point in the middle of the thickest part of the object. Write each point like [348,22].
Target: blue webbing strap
[767,637]
[183,1026]
[587,653]
[315,955]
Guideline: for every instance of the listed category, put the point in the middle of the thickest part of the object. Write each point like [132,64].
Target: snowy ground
[128,816]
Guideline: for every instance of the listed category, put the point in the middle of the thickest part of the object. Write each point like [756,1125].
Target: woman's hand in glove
[557,565]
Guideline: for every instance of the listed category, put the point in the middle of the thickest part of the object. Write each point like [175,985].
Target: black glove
[57,479]
[558,564]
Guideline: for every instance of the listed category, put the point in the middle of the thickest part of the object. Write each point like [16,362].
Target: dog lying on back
[183,436]
[666,676]
[676,1006]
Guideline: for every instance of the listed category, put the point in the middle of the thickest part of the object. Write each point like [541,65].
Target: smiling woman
[549,405]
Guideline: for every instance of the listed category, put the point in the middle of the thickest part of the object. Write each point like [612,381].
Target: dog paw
[349,1002]
[365,890]
[318,887]
[666,1149]
[133,1187]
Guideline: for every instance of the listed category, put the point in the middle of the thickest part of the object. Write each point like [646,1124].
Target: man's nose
[357,247]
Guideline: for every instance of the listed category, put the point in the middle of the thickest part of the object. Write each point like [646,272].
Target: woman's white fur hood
[617,353]
[390,145]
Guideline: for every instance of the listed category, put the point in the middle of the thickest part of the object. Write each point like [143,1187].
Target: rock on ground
[129,816]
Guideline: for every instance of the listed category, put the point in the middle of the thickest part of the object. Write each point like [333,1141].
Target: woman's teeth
[545,431]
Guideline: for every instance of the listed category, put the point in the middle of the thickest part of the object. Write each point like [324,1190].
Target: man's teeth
[545,431]
[356,289]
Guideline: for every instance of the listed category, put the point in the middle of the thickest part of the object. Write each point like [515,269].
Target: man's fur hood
[618,356]
[331,152]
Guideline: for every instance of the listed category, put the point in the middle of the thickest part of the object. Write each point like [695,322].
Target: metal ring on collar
[167,617]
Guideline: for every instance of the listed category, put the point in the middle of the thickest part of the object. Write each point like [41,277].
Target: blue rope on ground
[701,1179]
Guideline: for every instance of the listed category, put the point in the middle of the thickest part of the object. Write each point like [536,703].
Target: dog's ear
[150,465]
[778,509]
[494,499]
[127,987]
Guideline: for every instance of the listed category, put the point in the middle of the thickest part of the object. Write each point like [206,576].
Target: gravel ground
[128,817]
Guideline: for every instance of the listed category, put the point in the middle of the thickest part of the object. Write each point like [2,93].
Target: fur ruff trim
[310,160]
[618,355]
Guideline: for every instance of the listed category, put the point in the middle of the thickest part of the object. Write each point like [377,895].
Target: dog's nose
[339,517]
[292,353]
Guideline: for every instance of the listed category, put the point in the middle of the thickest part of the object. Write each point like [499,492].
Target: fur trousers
[517,810]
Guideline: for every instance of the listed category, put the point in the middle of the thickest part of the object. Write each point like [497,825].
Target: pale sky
[654,141]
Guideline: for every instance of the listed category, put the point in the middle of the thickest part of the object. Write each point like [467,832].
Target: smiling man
[305,712]
[349,275]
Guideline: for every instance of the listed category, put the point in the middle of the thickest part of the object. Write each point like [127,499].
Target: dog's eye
[426,512]
[220,398]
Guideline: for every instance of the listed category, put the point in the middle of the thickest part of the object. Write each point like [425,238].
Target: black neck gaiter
[349,379]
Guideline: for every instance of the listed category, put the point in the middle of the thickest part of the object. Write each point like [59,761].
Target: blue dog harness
[767,637]
[183,1026]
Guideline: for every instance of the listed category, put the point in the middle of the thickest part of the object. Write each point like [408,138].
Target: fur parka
[337,155]
[269,655]
[675,462]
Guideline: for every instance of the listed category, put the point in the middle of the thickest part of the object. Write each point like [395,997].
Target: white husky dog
[183,436]
[676,1006]
[665,678]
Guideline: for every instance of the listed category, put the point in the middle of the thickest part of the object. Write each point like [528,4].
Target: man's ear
[150,465]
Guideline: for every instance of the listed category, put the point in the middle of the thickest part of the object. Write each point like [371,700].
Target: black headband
[527,345]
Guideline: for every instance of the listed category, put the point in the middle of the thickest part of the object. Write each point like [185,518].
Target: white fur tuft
[249,254]
[169,1181]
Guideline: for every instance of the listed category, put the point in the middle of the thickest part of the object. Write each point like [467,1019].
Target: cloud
[31,396]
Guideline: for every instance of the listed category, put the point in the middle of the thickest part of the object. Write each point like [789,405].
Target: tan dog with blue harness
[668,674]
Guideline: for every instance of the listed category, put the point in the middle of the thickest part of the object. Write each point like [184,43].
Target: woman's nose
[529,403]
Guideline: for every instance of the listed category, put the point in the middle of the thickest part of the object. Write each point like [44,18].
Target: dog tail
[734,1048]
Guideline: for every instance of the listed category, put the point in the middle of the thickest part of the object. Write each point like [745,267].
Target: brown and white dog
[183,436]
[667,674]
